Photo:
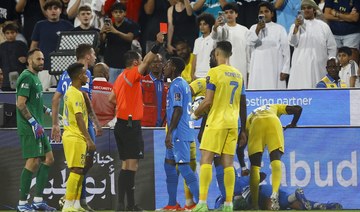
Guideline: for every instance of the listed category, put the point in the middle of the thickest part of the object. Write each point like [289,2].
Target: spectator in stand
[209,6]
[183,50]
[270,60]
[32,11]
[239,36]
[85,17]
[118,37]
[203,45]
[154,95]
[248,12]
[343,18]
[12,56]
[133,8]
[313,44]
[349,68]
[332,78]
[96,7]
[45,37]
[286,12]
[64,14]
[7,13]
[104,110]
[182,26]
[155,12]
[1,78]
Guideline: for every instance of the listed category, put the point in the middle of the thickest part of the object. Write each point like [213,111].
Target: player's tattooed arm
[21,105]
[92,115]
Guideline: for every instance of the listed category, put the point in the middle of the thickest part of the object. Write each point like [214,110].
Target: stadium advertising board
[324,161]
[321,107]
[101,181]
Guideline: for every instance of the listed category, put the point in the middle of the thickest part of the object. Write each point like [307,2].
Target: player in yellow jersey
[225,100]
[263,128]
[76,139]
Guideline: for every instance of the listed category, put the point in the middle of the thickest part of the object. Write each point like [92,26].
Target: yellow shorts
[220,141]
[193,150]
[265,132]
[74,150]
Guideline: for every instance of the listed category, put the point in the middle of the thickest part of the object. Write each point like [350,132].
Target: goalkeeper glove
[37,129]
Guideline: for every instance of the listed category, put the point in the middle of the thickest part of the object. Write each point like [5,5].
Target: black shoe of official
[120,207]
[134,208]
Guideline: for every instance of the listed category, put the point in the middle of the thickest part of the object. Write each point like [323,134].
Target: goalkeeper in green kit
[36,149]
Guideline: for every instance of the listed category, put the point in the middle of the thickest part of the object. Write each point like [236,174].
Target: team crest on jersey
[207,79]
[177,97]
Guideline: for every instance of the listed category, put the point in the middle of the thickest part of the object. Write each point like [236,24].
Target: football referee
[127,95]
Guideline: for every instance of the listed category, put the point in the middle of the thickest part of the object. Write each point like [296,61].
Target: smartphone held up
[261,18]
[222,18]
[300,16]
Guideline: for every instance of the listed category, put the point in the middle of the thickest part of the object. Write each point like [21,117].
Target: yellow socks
[229,183]
[276,175]
[72,186]
[205,180]
[254,185]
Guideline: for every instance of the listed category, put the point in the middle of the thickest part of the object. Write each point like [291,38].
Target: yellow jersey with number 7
[227,84]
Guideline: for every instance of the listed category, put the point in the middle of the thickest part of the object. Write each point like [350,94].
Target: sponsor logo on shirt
[25,85]
[177,97]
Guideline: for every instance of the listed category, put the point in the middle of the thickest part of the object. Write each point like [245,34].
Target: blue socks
[190,179]
[172,179]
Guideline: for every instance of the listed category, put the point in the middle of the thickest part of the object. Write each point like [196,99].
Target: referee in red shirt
[127,95]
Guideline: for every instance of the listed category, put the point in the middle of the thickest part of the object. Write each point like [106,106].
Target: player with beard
[36,149]
[183,50]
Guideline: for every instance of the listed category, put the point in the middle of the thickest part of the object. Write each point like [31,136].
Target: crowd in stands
[277,44]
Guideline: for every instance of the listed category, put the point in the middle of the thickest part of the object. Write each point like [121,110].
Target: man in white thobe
[239,37]
[270,60]
[314,43]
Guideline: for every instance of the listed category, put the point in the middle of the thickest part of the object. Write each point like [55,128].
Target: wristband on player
[155,49]
[31,120]
[243,168]
[48,111]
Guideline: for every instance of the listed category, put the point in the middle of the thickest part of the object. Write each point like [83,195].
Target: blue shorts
[265,192]
[180,153]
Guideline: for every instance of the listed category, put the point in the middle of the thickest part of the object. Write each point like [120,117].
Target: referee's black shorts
[129,139]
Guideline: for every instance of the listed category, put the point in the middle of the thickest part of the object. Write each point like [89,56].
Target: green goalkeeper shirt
[29,86]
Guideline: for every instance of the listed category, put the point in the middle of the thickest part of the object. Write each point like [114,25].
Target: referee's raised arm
[150,56]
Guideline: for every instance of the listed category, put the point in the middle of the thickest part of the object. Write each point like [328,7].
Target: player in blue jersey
[180,133]
[295,200]
[85,54]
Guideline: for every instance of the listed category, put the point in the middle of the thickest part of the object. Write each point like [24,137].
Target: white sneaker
[275,202]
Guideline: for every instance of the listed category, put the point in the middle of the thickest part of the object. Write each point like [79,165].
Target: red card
[163,28]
